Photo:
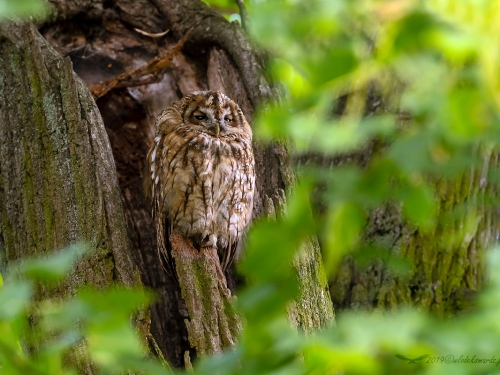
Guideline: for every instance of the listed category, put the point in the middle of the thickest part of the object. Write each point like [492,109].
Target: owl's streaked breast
[202,176]
[208,186]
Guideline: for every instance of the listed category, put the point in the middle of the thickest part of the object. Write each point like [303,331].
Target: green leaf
[270,124]
[273,244]
[22,8]
[224,5]
[54,266]
[411,153]
[467,114]
[14,299]
[415,32]
[102,302]
[419,204]
[343,230]
[335,62]
[347,134]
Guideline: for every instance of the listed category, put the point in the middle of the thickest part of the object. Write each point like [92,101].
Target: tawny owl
[202,176]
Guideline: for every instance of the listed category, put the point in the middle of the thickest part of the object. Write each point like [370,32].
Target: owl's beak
[214,128]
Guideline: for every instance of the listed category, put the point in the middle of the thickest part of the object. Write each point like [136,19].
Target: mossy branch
[214,324]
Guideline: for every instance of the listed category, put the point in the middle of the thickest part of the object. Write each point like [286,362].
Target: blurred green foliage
[227,8]
[21,8]
[36,337]
[364,343]
[416,80]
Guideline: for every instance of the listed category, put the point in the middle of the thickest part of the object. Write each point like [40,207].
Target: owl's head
[214,113]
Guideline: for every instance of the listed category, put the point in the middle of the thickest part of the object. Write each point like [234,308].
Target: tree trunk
[57,176]
[443,267]
[58,179]
[446,263]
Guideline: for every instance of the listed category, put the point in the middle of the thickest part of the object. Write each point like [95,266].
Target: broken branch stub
[213,323]
[151,69]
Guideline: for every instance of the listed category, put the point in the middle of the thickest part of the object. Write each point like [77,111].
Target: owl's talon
[208,241]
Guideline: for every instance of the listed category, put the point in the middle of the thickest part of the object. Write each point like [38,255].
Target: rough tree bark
[58,180]
[446,263]
[213,323]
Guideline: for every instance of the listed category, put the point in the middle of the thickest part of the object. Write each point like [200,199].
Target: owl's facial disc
[207,120]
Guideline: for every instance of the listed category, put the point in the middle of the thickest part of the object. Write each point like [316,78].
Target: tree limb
[128,79]
[214,324]
[213,29]
[243,14]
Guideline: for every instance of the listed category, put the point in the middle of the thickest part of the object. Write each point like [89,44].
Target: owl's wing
[163,229]
[229,254]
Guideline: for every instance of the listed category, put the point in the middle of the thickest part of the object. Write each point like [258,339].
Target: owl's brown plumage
[201,177]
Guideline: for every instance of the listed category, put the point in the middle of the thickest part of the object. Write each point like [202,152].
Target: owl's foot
[210,240]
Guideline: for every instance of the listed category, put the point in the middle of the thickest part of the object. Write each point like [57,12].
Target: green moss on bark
[57,175]
[312,309]
[444,264]
[213,323]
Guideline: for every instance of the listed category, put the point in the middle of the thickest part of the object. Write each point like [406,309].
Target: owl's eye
[200,117]
[228,119]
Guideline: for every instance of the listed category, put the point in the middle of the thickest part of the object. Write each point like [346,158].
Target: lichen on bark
[58,180]
[439,269]
[312,310]
[213,323]
[58,176]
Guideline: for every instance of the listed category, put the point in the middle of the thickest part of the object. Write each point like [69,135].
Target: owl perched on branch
[201,176]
